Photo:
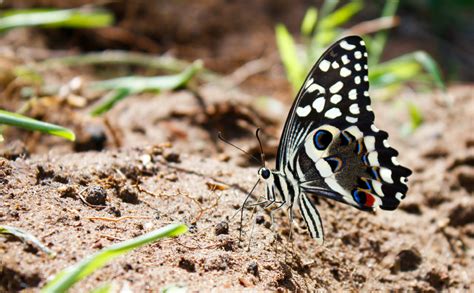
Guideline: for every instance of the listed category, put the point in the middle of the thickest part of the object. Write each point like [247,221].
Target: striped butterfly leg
[311,217]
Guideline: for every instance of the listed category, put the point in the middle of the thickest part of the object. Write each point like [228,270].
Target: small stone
[407,260]
[253,268]
[187,265]
[171,177]
[222,228]
[96,195]
[172,157]
[259,219]
[128,194]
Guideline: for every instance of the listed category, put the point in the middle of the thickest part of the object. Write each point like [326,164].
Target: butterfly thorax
[281,188]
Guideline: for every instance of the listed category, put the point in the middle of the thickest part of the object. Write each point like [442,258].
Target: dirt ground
[155,159]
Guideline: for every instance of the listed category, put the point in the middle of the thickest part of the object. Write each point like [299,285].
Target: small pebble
[96,195]
[222,228]
[253,268]
[172,157]
[187,265]
[259,219]
[128,194]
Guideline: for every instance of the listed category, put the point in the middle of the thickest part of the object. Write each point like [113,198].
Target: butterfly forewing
[330,142]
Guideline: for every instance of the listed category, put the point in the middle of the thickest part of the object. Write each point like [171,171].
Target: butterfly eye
[322,139]
[265,173]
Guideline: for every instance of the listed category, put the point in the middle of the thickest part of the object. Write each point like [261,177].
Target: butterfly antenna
[219,135]
[262,154]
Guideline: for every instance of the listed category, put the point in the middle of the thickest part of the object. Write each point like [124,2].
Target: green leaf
[25,237]
[68,277]
[288,55]
[404,68]
[341,15]
[21,121]
[309,21]
[416,116]
[123,86]
[73,18]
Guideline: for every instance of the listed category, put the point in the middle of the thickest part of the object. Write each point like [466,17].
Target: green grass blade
[68,277]
[73,18]
[431,67]
[341,15]
[109,101]
[309,21]
[25,237]
[21,121]
[123,86]
[378,42]
[289,56]
[137,84]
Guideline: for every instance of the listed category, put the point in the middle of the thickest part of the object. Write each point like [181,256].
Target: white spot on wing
[354,109]
[385,143]
[303,111]
[317,87]
[318,104]
[386,175]
[357,79]
[357,67]
[324,65]
[347,46]
[344,59]
[362,43]
[366,67]
[309,82]
[351,119]
[365,54]
[335,65]
[403,180]
[395,161]
[345,72]
[366,93]
[366,78]
[353,94]
[357,54]
[369,108]
[373,159]
[377,187]
[336,87]
[333,113]
[369,142]
[399,195]
[374,128]
[336,99]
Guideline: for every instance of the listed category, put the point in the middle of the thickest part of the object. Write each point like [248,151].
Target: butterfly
[330,146]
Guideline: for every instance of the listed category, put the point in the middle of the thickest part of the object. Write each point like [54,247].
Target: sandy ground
[425,245]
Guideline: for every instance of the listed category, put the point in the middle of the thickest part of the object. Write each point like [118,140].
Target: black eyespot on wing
[322,139]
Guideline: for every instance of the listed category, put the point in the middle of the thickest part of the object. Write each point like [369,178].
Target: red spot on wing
[369,200]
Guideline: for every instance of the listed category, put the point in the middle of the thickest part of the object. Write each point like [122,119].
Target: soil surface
[80,202]
[156,159]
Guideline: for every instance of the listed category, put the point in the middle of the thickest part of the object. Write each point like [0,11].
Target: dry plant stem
[114,132]
[372,26]
[117,219]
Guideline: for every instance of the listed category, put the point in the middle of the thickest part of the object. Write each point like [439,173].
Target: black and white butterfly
[330,146]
